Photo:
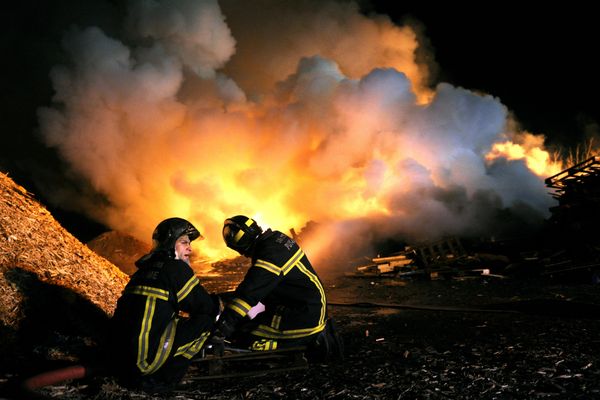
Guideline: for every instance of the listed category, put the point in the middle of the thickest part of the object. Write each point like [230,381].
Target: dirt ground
[460,338]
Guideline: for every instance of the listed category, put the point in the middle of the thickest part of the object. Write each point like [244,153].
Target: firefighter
[164,315]
[283,280]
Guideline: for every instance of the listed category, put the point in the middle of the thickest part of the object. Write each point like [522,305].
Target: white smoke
[193,31]
[317,114]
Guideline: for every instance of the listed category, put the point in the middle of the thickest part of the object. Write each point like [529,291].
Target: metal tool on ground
[244,363]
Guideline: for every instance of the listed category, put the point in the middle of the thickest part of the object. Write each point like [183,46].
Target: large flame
[321,115]
[531,149]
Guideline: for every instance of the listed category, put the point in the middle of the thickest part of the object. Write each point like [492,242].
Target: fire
[531,150]
[284,124]
[268,179]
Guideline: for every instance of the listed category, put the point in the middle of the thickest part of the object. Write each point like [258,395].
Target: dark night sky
[542,64]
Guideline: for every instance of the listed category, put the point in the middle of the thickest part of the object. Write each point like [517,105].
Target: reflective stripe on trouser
[272,333]
[264,345]
[165,344]
[192,348]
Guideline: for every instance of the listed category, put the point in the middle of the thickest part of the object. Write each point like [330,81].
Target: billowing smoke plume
[288,112]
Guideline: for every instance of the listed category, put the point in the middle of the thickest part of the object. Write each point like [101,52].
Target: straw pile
[34,244]
[119,248]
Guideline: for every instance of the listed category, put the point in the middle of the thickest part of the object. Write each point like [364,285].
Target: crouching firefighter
[282,279]
[164,315]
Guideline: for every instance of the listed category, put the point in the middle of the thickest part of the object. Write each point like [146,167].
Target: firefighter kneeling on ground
[164,315]
[282,279]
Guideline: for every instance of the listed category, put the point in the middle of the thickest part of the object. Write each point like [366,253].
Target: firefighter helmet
[168,231]
[240,233]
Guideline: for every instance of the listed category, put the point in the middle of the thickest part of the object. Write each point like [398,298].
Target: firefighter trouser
[246,336]
[190,337]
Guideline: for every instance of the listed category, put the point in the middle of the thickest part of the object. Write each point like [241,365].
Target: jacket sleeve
[191,296]
[257,284]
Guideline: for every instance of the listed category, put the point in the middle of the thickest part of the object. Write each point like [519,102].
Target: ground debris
[425,354]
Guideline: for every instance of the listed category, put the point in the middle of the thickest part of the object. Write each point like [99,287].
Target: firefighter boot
[336,344]
[327,346]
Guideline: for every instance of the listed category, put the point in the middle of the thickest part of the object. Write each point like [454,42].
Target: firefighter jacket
[164,312]
[281,278]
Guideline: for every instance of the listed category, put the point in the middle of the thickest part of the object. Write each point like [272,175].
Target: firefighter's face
[183,249]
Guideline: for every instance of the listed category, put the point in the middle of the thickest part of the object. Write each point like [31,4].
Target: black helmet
[240,233]
[168,231]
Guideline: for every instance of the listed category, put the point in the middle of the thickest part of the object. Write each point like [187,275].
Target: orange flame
[531,150]
[285,124]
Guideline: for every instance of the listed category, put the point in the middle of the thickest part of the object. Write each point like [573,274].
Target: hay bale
[34,245]
[119,248]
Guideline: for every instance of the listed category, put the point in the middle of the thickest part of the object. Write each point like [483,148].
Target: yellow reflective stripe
[276,321]
[264,345]
[287,267]
[238,236]
[270,345]
[240,233]
[149,291]
[192,348]
[268,266]
[145,333]
[187,288]
[313,278]
[239,306]
[269,329]
[165,344]
[268,332]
